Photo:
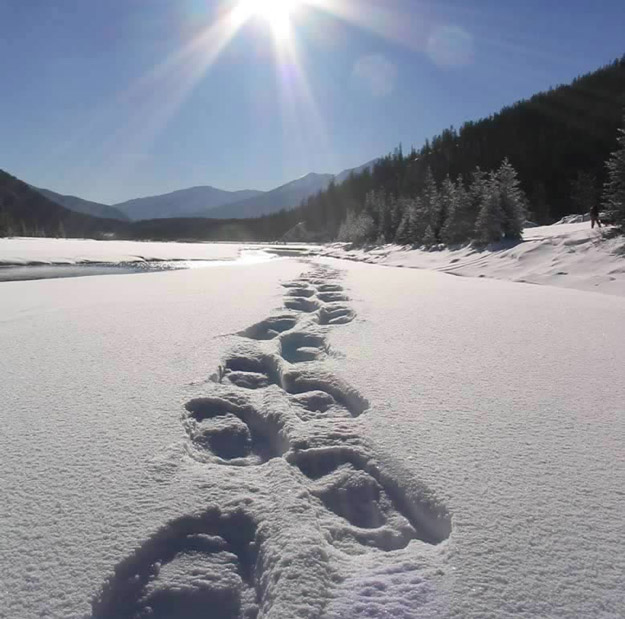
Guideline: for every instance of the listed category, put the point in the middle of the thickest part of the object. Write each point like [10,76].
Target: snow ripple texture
[289,544]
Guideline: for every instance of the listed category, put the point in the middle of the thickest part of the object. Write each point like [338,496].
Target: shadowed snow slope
[564,255]
[507,400]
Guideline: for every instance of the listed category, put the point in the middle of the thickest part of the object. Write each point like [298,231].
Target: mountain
[181,203]
[79,205]
[25,211]
[286,196]
[345,174]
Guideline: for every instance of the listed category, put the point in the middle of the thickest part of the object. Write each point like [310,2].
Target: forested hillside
[26,212]
[557,141]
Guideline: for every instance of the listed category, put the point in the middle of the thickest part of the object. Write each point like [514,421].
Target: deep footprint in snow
[314,405]
[270,328]
[251,371]
[300,291]
[231,431]
[328,287]
[299,346]
[383,514]
[302,304]
[332,297]
[295,381]
[192,568]
[335,314]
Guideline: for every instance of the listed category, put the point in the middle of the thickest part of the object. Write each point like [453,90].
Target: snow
[74,251]
[320,438]
[564,255]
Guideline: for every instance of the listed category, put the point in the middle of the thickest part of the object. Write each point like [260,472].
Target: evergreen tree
[357,228]
[433,206]
[584,193]
[512,201]
[614,189]
[489,226]
[461,217]
[429,238]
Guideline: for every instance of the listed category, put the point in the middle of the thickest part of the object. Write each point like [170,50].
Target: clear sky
[115,99]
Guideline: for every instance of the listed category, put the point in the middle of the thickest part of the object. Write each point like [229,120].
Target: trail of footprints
[273,397]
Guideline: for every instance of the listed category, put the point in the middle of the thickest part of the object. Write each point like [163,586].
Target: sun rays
[157,97]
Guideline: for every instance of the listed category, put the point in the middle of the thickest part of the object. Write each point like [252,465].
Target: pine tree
[512,201]
[356,228]
[429,238]
[461,217]
[489,226]
[614,189]
[432,206]
[584,191]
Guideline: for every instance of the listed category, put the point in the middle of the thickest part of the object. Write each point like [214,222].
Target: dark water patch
[55,271]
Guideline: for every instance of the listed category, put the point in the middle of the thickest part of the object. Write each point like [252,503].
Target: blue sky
[117,99]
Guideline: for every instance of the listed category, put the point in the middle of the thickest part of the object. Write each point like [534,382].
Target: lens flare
[277,13]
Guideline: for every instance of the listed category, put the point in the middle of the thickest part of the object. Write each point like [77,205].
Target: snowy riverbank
[565,255]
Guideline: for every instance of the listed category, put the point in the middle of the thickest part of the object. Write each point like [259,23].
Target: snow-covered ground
[565,255]
[323,439]
[20,250]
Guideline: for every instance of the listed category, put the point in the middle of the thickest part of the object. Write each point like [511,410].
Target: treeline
[25,212]
[557,141]
[489,208]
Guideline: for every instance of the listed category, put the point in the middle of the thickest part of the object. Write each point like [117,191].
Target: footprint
[269,328]
[315,405]
[301,304]
[350,484]
[321,287]
[229,430]
[335,314]
[299,346]
[302,381]
[300,292]
[301,282]
[251,370]
[331,297]
[193,567]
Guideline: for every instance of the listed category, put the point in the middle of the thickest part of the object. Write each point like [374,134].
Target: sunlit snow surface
[329,439]
[23,259]
[566,255]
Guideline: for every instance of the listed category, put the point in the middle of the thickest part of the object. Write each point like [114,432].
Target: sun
[277,13]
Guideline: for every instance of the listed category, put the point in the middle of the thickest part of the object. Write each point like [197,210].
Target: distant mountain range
[206,201]
[182,203]
[87,207]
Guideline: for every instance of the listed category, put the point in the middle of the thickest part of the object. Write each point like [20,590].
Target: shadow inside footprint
[232,431]
[352,487]
[301,304]
[300,292]
[329,288]
[194,567]
[332,297]
[251,372]
[335,314]
[295,381]
[299,346]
